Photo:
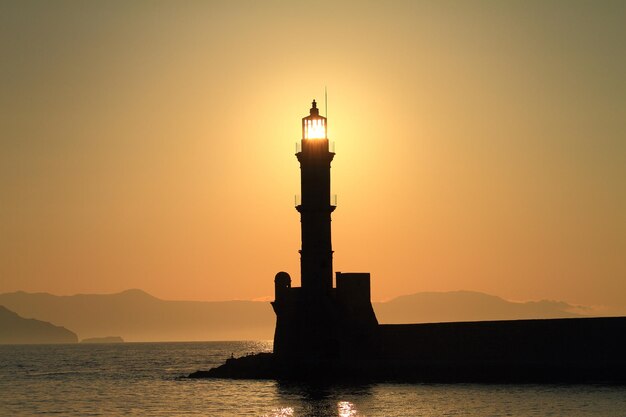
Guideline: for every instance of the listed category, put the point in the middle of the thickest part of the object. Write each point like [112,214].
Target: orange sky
[480,145]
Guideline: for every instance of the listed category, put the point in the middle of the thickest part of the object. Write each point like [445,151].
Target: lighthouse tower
[316,255]
[318,322]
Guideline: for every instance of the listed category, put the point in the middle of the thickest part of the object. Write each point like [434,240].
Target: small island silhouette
[103,339]
[331,332]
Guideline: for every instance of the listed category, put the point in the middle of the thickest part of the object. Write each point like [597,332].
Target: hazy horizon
[480,145]
[136,316]
[268,298]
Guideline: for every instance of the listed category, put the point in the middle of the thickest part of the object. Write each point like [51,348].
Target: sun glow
[315,129]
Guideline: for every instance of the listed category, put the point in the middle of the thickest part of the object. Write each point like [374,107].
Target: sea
[148,379]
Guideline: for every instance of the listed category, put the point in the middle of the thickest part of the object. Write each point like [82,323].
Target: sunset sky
[480,145]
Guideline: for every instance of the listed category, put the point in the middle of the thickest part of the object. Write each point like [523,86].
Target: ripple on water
[143,379]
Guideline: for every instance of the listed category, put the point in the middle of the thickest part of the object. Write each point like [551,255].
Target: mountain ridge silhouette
[15,329]
[137,315]
[463,305]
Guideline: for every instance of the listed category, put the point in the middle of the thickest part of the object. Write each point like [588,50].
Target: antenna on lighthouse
[326,109]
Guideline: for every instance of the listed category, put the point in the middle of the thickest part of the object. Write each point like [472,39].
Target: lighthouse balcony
[331,146]
[298,200]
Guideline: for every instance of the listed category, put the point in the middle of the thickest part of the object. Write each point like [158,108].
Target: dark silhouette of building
[318,322]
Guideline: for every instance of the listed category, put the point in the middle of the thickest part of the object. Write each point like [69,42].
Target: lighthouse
[316,254]
[317,321]
[328,332]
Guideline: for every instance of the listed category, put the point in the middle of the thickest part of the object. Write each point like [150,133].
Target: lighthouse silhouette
[316,255]
[327,332]
[318,322]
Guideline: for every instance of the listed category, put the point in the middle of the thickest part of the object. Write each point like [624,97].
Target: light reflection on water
[346,409]
[322,400]
[281,412]
[143,379]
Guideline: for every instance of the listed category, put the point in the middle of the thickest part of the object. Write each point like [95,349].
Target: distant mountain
[18,330]
[433,307]
[138,316]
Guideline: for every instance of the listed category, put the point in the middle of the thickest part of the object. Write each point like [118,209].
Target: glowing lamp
[314,125]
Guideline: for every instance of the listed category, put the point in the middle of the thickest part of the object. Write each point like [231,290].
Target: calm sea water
[144,379]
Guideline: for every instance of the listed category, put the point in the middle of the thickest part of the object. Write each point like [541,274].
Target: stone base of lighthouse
[313,327]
